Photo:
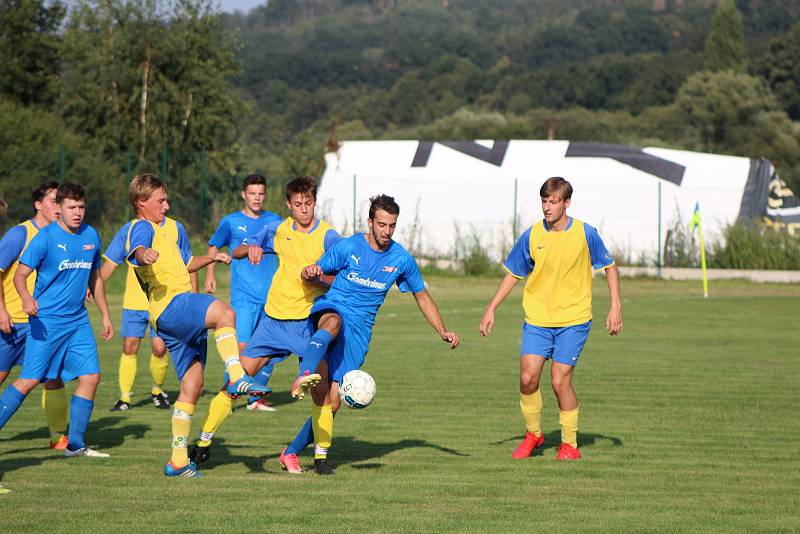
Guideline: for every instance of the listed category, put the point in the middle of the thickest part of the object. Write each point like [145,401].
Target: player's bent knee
[25,385]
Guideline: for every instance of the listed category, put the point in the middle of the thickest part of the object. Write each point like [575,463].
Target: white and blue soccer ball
[357,389]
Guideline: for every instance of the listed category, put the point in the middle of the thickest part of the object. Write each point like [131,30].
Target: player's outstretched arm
[431,312]
[29,304]
[98,289]
[503,290]
[198,262]
[211,280]
[614,319]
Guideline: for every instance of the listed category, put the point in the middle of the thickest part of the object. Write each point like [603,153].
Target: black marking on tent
[494,155]
[635,157]
[759,193]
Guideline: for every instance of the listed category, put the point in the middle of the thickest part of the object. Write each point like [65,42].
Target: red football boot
[568,452]
[530,443]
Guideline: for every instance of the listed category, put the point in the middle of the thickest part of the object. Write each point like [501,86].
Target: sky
[240,5]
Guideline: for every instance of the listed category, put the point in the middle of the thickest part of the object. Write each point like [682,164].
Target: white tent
[451,191]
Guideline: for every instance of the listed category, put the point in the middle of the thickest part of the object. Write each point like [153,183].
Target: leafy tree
[724,48]
[781,68]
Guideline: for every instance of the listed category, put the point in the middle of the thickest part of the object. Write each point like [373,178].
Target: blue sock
[303,439]
[10,402]
[262,377]
[80,411]
[315,351]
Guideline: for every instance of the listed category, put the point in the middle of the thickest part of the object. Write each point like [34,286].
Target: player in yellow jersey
[557,256]
[13,319]
[298,240]
[181,318]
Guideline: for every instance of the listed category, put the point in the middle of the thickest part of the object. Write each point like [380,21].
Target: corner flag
[695,222]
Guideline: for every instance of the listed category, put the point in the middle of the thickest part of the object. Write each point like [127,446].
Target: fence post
[514,231]
[355,215]
[658,261]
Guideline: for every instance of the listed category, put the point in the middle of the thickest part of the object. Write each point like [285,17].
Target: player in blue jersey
[557,255]
[366,267]
[14,326]
[66,257]
[249,282]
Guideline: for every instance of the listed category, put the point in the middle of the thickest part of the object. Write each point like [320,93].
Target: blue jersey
[249,283]
[63,262]
[364,276]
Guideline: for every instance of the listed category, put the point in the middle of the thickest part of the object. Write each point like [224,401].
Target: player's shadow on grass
[348,450]
[553,440]
[101,433]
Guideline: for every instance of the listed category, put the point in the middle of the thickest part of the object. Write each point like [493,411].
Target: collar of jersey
[294,226]
[546,229]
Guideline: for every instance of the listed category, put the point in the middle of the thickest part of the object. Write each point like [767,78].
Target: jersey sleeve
[600,256]
[265,238]
[141,236]
[183,244]
[11,246]
[35,252]
[411,278]
[519,262]
[335,258]
[331,238]
[115,253]
[222,236]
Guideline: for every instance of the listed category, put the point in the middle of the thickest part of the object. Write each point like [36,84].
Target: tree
[781,68]
[724,48]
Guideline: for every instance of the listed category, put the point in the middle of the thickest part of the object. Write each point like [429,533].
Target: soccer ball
[357,389]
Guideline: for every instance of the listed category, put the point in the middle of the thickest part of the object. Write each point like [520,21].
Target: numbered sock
[10,401]
[303,439]
[322,426]
[568,419]
[531,408]
[158,371]
[181,427]
[127,376]
[218,412]
[54,404]
[80,411]
[228,349]
[315,351]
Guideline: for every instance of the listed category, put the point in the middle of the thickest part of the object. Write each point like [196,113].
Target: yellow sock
[322,425]
[569,426]
[219,411]
[127,375]
[55,406]
[181,427]
[228,348]
[158,370]
[531,408]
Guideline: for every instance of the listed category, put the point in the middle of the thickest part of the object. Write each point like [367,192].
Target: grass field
[688,423]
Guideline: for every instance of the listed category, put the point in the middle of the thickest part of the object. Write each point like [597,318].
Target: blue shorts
[248,315]
[182,326]
[65,351]
[12,346]
[276,337]
[349,350]
[134,323]
[562,344]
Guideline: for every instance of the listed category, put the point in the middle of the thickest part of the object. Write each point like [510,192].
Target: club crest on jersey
[389,269]
[89,246]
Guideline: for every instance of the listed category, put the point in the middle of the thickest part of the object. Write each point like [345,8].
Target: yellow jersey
[14,244]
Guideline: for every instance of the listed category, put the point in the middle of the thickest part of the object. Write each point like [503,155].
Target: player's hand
[211,285]
[221,257]
[108,329]
[6,324]
[311,272]
[88,297]
[149,256]
[30,306]
[254,254]
[614,321]
[452,338]
[487,323]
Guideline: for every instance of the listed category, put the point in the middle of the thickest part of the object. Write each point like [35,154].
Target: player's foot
[261,405]
[187,471]
[160,401]
[61,444]
[290,463]
[321,467]
[303,383]
[530,443]
[121,406]
[568,452]
[245,386]
[199,455]
[85,451]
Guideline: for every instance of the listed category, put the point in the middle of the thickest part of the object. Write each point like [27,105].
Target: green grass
[688,423]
